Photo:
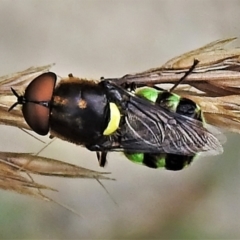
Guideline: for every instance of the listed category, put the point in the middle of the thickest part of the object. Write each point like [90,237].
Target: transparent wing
[151,128]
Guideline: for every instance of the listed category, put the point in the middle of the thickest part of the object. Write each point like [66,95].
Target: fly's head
[36,102]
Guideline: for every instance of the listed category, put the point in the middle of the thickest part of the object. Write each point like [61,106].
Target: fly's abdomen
[174,103]
[80,112]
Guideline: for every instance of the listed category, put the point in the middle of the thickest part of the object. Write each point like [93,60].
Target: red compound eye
[38,91]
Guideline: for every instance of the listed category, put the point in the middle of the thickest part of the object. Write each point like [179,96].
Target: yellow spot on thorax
[59,100]
[82,103]
[114,121]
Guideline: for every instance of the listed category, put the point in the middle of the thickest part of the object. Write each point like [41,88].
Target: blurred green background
[95,38]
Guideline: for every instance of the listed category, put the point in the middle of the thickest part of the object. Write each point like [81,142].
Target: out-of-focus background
[93,38]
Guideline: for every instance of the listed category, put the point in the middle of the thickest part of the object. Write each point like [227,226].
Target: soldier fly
[106,116]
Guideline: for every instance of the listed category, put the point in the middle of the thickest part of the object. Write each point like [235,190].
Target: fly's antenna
[190,70]
[20,100]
